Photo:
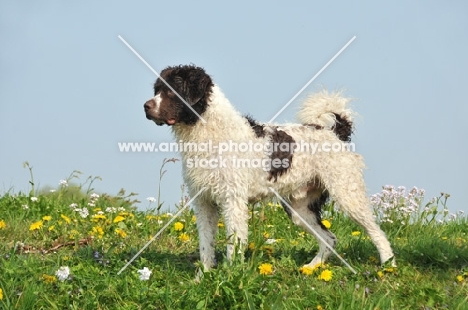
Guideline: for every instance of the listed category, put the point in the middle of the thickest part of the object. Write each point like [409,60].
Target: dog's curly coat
[306,180]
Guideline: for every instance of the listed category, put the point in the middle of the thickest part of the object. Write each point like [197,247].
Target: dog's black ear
[197,84]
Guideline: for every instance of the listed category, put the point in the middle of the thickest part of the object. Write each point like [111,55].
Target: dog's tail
[330,111]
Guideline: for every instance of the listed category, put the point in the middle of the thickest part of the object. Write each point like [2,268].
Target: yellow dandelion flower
[36,225]
[194,219]
[2,224]
[459,278]
[49,279]
[307,270]
[119,218]
[46,218]
[325,275]
[97,217]
[266,235]
[220,224]
[1,294]
[97,230]
[65,218]
[150,217]
[178,226]
[51,228]
[73,234]
[459,241]
[319,307]
[389,269]
[265,269]
[184,237]
[355,233]
[121,233]
[317,266]
[380,274]
[326,223]
[252,246]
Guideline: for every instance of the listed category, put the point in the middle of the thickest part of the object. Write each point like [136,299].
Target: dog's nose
[150,104]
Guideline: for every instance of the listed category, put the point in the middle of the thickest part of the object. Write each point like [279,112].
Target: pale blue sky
[70,90]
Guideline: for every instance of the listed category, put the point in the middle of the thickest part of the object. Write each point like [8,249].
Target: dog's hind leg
[362,215]
[207,225]
[347,188]
[308,217]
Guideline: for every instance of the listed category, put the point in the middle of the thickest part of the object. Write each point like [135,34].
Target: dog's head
[175,90]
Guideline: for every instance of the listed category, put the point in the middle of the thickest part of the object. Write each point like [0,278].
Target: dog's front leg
[236,217]
[207,224]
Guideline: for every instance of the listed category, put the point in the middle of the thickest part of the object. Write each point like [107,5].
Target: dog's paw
[391,262]
[200,271]
[199,275]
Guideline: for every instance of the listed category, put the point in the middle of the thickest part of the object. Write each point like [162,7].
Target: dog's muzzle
[150,112]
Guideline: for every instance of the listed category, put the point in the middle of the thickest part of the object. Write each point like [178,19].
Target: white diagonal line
[313,230]
[157,74]
[160,231]
[312,79]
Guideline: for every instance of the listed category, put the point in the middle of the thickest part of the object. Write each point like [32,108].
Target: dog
[198,112]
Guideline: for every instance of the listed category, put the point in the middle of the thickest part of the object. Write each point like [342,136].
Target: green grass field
[94,237]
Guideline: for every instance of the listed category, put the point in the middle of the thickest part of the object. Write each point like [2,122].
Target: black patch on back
[343,128]
[316,207]
[257,128]
[277,138]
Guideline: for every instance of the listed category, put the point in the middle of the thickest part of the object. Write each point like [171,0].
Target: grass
[38,236]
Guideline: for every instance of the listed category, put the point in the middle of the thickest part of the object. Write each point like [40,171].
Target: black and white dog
[299,161]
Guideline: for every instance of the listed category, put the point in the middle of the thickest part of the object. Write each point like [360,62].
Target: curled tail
[330,111]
